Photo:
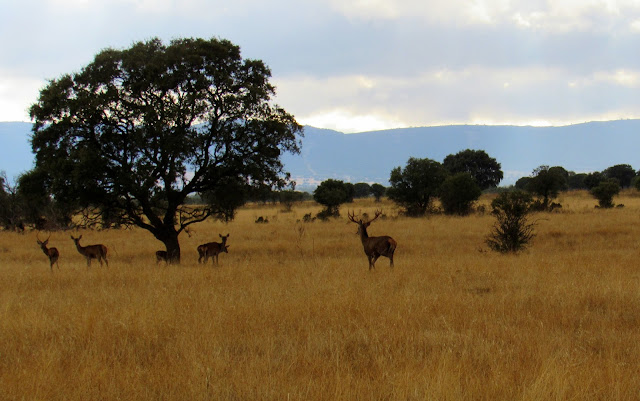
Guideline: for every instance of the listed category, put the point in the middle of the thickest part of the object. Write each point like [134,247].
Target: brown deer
[98,251]
[212,249]
[162,256]
[52,253]
[374,247]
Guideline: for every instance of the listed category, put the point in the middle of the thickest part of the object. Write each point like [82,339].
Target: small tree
[378,191]
[458,192]
[547,182]
[415,186]
[605,191]
[331,194]
[289,197]
[512,232]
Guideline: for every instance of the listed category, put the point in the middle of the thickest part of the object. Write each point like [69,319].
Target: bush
[512,232]
[605,191]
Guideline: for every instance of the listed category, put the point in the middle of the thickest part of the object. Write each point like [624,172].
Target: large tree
[138,130]
[483,168]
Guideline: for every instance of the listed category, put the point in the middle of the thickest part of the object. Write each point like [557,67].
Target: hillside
[370,156]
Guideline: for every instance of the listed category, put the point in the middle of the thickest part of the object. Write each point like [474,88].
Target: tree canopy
[483,168]
[416,185]
[138,130]
[331,194]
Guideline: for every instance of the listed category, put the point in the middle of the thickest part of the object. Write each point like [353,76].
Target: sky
[363,65]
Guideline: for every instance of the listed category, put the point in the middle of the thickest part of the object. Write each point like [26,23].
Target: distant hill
[370,156]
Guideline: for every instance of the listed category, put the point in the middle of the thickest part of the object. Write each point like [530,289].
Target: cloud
[17,93]
[364,63]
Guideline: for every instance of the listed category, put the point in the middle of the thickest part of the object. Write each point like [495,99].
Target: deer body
[212,249]
[97,251]
[162,256]
[52,253]
[374,247]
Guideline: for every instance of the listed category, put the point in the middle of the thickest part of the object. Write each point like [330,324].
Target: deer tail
[392,245]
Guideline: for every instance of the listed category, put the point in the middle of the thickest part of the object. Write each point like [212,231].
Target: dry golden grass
[292,312]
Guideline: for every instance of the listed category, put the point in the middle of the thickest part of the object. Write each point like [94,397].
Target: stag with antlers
[212,249]
[374,247]
[52,253]
[97,251]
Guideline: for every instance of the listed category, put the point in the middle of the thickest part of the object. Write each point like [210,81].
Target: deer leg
[106,261]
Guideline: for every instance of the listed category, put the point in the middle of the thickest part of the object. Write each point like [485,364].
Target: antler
[378,214]
[352,217]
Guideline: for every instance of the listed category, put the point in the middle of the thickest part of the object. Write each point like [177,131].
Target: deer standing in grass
[374,247]
[162,256]
[212,249]
[52,253]
[98,251]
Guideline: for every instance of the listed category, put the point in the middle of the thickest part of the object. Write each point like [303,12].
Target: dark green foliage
[547,182]
[361,190]
[415,186]
[331,194]
[512,232]
[605,191]
[458,192]
[577,180]
[289,197]
[624,173]
[484,169]
[593,179]
[522,183]
[137,131]
[378,191]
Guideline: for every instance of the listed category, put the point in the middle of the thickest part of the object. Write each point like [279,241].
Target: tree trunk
[169,238]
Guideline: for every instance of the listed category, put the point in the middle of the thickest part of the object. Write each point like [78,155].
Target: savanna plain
[292,311]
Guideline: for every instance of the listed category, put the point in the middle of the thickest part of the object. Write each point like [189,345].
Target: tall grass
[292,312]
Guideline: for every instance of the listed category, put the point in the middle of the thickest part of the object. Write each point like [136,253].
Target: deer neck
[363,234]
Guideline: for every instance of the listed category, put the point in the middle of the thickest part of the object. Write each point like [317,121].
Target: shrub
[605,191]
[512,232]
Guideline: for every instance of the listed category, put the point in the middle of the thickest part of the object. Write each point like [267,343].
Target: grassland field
[293,313]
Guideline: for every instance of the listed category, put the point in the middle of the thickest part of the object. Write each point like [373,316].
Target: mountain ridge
[370,156]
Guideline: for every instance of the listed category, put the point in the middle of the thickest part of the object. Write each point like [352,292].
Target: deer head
[362,225]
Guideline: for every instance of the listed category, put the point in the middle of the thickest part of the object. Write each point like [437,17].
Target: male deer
[98,251]
[162,256]
[212,249]
[374,247]
[52,253]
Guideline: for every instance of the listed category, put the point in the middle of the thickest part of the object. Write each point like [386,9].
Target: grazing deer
[52,253]
[98,251]
[213,249]
[374,247]
[162,256]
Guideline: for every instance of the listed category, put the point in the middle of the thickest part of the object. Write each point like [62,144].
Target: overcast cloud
[364,65]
